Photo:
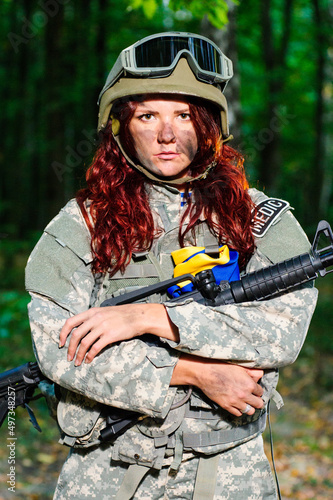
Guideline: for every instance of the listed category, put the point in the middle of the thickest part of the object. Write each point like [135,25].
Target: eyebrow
[152,110]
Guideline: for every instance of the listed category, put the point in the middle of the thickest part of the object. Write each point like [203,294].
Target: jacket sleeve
[265,334]
[60,282]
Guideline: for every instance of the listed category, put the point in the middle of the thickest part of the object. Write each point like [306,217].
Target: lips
[167,155]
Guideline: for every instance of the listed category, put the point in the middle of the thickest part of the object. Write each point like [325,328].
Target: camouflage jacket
[136,374]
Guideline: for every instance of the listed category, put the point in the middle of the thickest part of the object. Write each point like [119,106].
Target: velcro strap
[132,478]
[133,271]
[201,413]
[277,398]
[206,478]
[224,436]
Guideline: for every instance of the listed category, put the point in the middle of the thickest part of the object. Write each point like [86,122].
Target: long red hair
[119,204]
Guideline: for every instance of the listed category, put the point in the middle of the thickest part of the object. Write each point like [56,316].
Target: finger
[248,410]
[233,410]
[86,344]
[235,407]
[96,349]
[71,323]
[255,373]
[86,334]
[258,390]
[255,402]
[77,335]
[248,402]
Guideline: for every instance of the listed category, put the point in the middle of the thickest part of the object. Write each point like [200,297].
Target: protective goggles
[157,55]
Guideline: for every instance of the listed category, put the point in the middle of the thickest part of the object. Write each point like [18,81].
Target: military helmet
[168,63]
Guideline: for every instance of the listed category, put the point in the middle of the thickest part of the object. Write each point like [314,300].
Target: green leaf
[216,10]
[136,4]
[149,8]
[219,17]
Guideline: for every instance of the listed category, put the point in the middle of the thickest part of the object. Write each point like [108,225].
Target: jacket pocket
[80,419]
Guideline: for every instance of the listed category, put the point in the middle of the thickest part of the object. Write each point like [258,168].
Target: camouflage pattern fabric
[243,473]
[136,374]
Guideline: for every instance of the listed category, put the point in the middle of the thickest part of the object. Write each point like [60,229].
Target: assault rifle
[17,386]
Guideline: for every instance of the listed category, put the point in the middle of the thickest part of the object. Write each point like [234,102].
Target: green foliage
[13,258]
[215,10]
[320,332]
[15,339]
[149,7]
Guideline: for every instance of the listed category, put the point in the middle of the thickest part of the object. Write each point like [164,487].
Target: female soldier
[164,181]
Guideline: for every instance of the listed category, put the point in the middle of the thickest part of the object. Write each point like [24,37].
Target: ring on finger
[247,409]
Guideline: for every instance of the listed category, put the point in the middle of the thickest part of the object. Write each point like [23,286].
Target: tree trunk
[23,130]
[321,183]
[51,188]
[226,39]
[274,62]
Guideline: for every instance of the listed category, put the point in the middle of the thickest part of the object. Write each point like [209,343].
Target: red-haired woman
[165,193]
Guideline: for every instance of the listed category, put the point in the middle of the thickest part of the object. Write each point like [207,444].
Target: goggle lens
[161,52]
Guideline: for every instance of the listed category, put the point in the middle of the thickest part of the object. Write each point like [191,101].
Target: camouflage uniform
[166,451]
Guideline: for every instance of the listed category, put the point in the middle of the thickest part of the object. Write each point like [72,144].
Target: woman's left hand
[98,327]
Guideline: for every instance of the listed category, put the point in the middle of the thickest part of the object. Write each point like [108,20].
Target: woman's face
[164,137]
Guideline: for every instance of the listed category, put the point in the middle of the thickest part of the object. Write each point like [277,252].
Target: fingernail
[61,346]
[69,357]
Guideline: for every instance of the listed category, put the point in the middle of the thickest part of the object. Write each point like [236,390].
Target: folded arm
[124,375]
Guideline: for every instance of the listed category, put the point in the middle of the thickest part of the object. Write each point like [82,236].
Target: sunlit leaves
[149,7]
[215,10]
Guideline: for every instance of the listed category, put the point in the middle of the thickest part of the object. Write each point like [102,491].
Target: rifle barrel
[272,280]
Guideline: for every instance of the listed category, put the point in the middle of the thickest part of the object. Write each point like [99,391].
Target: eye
[146,117]
[185,116]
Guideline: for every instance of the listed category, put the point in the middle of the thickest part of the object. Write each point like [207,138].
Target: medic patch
[267,213]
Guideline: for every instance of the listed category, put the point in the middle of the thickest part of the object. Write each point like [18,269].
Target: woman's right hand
[231,386]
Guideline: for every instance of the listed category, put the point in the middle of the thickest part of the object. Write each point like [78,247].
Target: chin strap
[160,179]
[150,175]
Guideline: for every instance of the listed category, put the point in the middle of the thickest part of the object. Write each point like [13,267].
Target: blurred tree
[282,101]
[53,104]
[275,47]
[322,185]
[55,57]
[225,38]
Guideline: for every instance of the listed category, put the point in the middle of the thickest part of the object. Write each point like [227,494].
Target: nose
[166,133]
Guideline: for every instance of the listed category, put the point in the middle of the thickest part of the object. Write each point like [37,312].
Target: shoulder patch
[267,213]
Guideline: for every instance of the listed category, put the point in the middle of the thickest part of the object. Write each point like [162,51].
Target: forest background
[55,56]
